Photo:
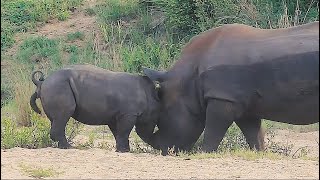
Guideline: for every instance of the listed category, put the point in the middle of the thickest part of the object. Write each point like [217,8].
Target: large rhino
[237,73]
[95,96]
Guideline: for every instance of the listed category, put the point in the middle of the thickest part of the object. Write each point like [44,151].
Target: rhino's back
[258,45]
[241,44]
[101,94]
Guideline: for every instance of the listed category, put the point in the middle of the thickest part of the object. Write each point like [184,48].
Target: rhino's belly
[293,105]
[92,118]
[296,113]
[94,111]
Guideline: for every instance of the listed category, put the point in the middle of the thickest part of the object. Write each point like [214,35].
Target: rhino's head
[148,119]
[179,125]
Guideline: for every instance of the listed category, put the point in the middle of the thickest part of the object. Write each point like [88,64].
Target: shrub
[35,136]
[117,10]
[7,33]
[40,50]
[6,92]
[187,18]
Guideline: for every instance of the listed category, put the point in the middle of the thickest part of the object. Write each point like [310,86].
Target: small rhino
[95,96]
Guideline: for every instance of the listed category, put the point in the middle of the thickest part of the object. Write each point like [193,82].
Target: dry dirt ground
[97,163]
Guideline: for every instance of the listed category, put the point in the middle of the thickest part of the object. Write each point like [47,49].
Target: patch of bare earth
[99,163]
[78,21]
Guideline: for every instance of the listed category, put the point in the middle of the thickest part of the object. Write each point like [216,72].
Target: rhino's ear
[154,75]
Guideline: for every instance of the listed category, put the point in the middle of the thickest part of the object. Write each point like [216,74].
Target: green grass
[133,43]
[240,153]
[39,173]
[76,35]
[57,52]
[115,10]
[24,15]
[40,50]
[7,34]
[297,128]
[35,136]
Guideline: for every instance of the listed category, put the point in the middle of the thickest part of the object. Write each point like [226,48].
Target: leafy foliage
[36,136]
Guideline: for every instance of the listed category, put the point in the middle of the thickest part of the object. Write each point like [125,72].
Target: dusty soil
[106,164]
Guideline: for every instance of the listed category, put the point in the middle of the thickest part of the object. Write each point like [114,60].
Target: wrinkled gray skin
[237,73]
[95,96]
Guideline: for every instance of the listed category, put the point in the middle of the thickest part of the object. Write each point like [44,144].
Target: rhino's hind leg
[125,124]
[59,105]
[58,124]
[251,128]
[57,131]
[220,115]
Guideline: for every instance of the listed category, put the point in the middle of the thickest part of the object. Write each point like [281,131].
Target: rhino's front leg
[219,116]
[124,126]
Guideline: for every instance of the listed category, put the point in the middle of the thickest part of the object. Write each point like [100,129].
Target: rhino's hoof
[164,153]
[64,146]
[122,150]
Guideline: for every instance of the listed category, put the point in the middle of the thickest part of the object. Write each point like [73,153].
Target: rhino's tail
[36,94]
[41,79]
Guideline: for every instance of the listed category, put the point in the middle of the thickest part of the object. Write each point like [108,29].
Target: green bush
[278,14]
[7,33]
[150,53]
[35,136]
[37,49]
[213,13]
[181,16]
[6,91]
[117,10]
[185,18]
